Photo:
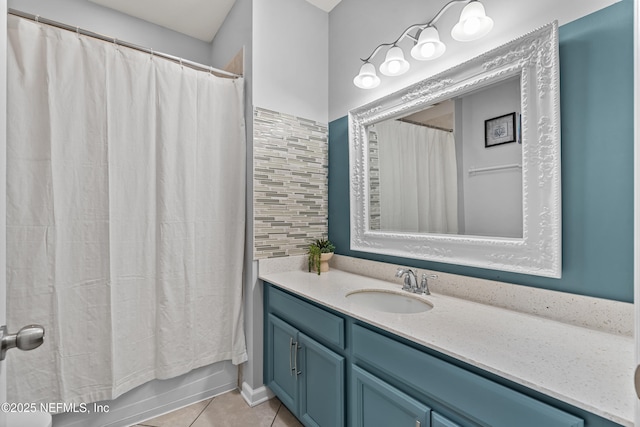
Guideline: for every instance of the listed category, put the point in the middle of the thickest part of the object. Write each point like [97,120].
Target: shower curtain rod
[181,61]
[411,122]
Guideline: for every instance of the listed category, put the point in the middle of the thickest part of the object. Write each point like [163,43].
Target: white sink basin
[389,301]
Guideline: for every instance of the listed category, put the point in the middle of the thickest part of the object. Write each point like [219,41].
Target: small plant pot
[324,262]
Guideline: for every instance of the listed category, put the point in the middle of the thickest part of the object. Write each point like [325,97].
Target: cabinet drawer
[318,323]
[438,420]
[468,394]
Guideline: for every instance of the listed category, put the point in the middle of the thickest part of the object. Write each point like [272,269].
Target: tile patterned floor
[226,410]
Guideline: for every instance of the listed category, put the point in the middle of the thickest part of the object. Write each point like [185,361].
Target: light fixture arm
[406,32]
[444,9]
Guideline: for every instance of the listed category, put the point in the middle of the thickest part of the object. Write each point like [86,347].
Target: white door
[636,257]
[3,167]
[29,337]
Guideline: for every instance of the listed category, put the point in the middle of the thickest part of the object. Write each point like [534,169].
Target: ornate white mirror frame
[533,57]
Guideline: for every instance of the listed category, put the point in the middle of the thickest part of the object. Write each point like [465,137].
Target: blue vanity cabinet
[378,404]
[330,370]
[305,374]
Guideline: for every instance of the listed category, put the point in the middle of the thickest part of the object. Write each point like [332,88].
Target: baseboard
[158,397]
[255,396]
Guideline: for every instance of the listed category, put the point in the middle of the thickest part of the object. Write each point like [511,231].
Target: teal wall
[596,102]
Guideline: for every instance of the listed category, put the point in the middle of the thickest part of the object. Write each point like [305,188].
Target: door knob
[27,338]
[637,381]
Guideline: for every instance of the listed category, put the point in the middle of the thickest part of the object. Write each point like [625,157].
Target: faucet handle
[424,284]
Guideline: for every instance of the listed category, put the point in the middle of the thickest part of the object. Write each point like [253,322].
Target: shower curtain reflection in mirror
[125,215]
[417,185]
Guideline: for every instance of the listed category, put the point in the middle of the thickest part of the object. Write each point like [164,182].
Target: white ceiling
[200,19]
[325,5]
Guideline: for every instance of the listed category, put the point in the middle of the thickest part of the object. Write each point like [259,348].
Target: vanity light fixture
[367,78]
[473,25]
[428,46]
[394,63]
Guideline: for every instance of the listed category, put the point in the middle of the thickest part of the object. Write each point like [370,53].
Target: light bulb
[394,67]
[428,49]
[367,81]
[471,25]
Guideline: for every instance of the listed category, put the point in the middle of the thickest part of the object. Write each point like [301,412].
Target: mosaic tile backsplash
[290,193]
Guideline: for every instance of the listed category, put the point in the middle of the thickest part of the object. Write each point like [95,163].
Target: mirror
[452,167]
[464,167]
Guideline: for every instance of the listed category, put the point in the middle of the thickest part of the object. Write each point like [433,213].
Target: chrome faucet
[410,280]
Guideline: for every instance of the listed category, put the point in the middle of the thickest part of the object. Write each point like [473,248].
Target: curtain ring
[38,19]
[78,32]
[151,57]
[181,66]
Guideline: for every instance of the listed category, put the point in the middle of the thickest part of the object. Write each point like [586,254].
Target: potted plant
[320,252]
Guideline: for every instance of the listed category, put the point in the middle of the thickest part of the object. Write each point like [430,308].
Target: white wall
[492,200]
[236,33]
[356,27]
[290,58]
[289,74]
[106,21]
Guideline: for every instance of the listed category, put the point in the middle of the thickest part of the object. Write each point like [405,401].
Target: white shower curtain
[418,178]
[125,215]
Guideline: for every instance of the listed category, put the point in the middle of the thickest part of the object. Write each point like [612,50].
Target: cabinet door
[321,384]
[380,404]
[279,357]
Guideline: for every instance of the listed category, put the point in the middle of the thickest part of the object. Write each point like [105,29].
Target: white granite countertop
[589,369]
